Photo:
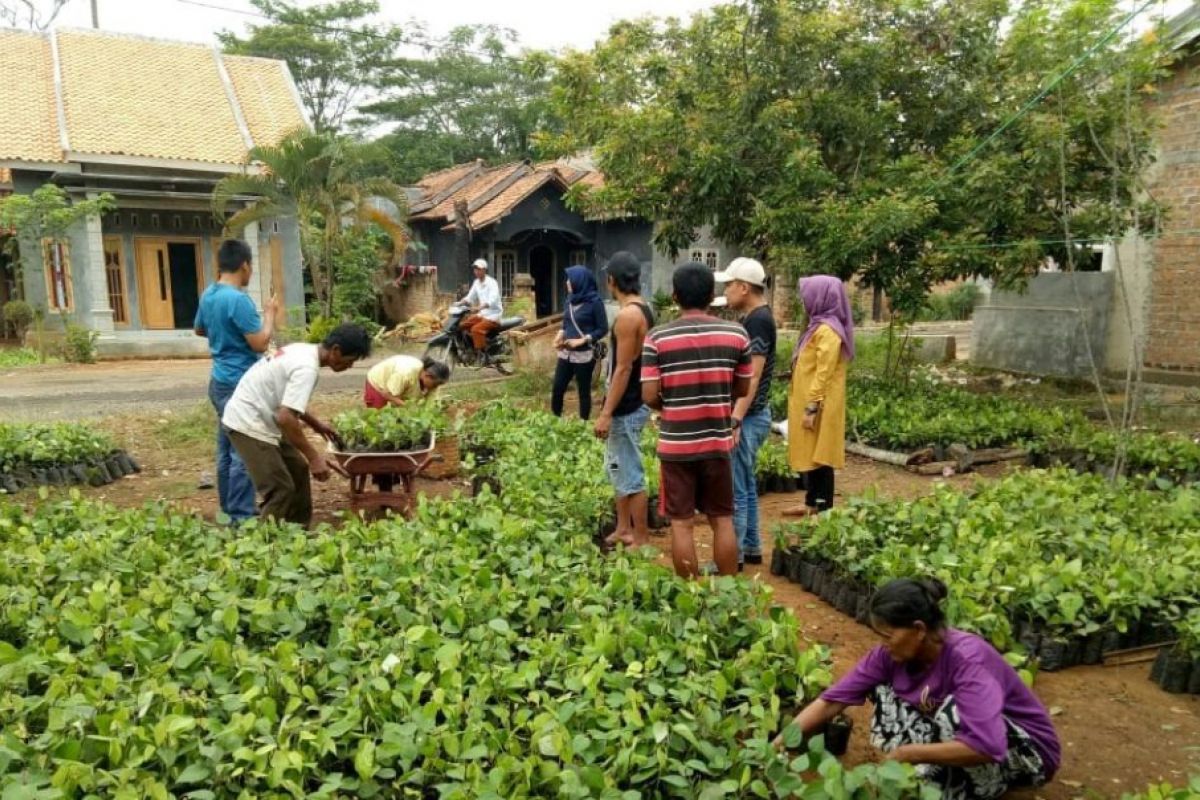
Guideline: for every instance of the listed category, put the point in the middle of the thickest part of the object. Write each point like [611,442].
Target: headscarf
[826,303]
[584,304]
[583,286]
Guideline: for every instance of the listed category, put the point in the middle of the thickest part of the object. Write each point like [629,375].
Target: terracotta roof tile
[436,182]
[472,191]
[507,200]
[28,115]
[137,97]
[265,94]
[593,179]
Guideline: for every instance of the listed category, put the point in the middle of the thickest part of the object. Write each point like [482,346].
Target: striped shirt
[696,359]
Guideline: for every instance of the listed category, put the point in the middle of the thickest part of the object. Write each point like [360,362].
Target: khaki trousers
[280,474]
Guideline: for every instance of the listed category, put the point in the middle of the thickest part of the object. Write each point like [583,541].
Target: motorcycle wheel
[500,360]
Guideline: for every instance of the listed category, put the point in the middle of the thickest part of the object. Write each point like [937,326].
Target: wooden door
[154,284]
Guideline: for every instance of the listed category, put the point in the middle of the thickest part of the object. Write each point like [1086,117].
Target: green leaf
[364,759]
[196,772]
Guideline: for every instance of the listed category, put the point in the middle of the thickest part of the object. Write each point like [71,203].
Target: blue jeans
[755,430]
[623,453]
[234,487]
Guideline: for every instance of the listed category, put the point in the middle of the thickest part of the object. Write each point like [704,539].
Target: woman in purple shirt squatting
[945,701]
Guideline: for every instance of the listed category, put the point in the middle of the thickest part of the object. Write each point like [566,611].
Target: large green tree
[474,94]
[850,137]
[336,51]
[321,179]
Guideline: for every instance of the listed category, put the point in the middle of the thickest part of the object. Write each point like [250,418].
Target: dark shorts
[690,486]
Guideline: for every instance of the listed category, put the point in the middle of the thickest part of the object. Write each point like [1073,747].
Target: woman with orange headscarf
[817,402]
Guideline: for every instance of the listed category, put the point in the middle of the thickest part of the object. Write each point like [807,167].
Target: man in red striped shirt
[693,369]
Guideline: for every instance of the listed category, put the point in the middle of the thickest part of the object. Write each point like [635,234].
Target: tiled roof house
[155,123]
[517,219]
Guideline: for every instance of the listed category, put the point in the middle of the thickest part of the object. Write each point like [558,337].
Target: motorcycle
[454,347]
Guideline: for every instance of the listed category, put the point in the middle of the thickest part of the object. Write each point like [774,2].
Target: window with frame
[114,272]
[577,258]
[56,258]
[506,270]
[709,258]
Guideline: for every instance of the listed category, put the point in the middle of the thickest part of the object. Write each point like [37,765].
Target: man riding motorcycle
[485,296]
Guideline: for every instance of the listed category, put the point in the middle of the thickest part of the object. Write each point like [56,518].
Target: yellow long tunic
[820,376]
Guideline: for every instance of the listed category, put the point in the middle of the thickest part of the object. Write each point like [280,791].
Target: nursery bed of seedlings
[482,649]
[59,454]
[1068,566]
[1177,669]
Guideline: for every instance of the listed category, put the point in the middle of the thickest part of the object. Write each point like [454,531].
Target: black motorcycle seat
[508,323]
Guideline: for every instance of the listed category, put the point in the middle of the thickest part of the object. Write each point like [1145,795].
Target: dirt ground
[1119,731]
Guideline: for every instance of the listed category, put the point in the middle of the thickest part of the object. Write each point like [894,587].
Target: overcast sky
[540,23]
[551,24]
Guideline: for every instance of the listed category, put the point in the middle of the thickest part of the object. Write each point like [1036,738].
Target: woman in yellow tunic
[817,402]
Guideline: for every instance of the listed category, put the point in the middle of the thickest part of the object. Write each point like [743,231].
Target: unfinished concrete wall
[1131,261]
[1056,327]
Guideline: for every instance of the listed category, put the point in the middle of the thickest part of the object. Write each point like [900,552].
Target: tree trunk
[462,239]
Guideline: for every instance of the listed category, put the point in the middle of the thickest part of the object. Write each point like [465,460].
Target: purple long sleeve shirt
[985,690]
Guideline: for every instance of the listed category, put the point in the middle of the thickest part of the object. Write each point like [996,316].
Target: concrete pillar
[262,277]
[524,301]
[99,315]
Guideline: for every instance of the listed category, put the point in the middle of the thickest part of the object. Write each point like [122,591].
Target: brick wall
[419,295]
[1173,334]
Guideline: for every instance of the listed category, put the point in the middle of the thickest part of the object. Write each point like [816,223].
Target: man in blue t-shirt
[236,335]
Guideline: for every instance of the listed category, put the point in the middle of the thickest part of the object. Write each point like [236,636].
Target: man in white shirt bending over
[485,295]
[264,414]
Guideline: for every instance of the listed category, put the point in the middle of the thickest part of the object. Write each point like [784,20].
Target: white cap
[480,264]
[743,269]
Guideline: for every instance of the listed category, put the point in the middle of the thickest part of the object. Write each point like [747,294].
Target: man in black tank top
[623,417]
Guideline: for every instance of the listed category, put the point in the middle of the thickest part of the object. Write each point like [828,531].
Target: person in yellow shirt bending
[399,379]
[817,401]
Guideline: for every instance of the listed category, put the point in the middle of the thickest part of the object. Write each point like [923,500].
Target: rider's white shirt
[485,293]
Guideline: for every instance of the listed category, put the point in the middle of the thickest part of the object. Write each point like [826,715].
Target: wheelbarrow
[390,473]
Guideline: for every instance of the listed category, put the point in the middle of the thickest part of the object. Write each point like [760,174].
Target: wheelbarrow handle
[333,438]
[336,467]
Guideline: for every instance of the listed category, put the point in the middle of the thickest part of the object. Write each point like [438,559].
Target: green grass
[11,357]
[193,425]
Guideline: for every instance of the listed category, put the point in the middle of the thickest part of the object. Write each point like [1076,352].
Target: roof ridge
[451,168]
[140,37]
[24,32]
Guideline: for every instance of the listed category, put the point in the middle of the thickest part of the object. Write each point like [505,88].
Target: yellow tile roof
[28,119]
[264,92]
[139,97]
[128,96]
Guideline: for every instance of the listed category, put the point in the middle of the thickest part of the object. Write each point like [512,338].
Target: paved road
[115,387]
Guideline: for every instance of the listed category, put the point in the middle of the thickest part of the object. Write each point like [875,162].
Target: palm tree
[318,178]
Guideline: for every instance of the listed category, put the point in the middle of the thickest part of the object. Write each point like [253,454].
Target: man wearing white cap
[745,283]
[484,295]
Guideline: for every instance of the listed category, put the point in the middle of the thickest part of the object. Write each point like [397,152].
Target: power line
[1041,95]
[1083,240]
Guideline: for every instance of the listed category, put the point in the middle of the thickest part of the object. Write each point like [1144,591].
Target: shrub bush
[18,316]
[79,344]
